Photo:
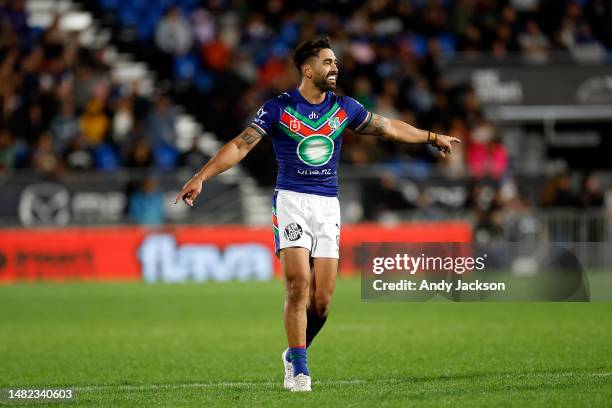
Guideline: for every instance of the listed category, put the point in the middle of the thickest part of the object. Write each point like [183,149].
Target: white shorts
[308,221]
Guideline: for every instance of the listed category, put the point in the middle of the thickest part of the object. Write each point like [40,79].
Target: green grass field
[220,344]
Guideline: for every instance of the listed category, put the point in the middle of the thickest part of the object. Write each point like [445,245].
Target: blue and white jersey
[307,138]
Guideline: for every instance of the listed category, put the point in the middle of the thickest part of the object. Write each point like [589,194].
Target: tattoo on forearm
[250,135]
[378,126]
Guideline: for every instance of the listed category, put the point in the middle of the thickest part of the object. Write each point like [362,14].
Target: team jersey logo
[294,125]
[315,150]
[334,123]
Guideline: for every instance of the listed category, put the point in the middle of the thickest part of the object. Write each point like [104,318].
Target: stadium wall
[181,254]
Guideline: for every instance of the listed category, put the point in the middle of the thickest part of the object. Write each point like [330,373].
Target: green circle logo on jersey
[315,150]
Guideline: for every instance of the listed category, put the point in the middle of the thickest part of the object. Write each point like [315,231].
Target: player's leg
[322,284]
[293,214]
[296,269]
[326,251]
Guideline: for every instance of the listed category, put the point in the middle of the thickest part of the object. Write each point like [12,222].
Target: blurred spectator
[363,92]
[12,13]
[43,157]
[598,13]
[31,126]
[558,192]
[244,67]
[146,205]
[586,47]
[481,196]
[470,108]
[440,112]
[486,155]
[173,34]
[141,155]
[593,199]
[421,98]
[534,43]
[64,127]
[203,26]
[216,54]
[123,122]
[78,156]
[525,6]
[94,122]
[7,150]
[592,196]
[386,107]
[471,40]
[273,72]
[160,123]
[454,166]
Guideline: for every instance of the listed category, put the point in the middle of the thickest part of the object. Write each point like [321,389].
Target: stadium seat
[165,156]
[448,43]
[129,16]
[109,4]
[418,45]
[204,81]
[146,27]
[290,32]
[186,67]
[106,157]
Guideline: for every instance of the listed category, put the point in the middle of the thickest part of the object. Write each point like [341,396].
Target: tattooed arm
[398,131]
[228,156]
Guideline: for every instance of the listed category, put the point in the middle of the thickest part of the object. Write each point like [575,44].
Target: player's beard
[323,84]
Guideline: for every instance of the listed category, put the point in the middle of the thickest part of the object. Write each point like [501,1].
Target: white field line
[247,384]
[209,385]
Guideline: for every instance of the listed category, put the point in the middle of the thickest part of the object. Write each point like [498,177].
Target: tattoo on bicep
[378,126]
[250,136]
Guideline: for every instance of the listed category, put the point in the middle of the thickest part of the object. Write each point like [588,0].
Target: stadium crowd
[225,58]
[390,53]
[62,111]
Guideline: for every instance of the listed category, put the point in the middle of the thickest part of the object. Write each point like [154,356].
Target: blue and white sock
[288,355]
[297,356]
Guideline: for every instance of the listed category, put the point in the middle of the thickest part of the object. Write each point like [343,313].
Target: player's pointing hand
[190,191]
[445,144]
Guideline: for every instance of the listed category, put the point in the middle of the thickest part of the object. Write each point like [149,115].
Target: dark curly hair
[309,49]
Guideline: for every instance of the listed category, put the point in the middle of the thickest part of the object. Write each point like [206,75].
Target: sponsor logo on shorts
[293,231]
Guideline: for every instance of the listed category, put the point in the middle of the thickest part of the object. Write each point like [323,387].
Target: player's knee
[297,288]
[320,305]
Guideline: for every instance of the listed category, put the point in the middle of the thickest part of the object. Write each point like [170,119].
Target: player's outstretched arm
[398,131]
[228,156]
